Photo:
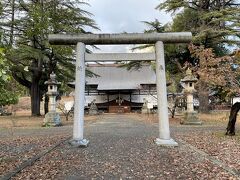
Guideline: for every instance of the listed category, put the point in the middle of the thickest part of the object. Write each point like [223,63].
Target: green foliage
[32,57]
[175,56]
[172,5]
[213,23]
[7,95]
[187,20]
[1,8]
[32,50]
[3,69]
[153,26]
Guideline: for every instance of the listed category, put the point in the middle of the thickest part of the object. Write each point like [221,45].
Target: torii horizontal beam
[119,57]
[124,38]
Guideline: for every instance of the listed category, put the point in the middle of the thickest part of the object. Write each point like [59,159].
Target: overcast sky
[117,16]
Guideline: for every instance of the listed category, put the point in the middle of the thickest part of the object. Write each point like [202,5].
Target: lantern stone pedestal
[52,118]
[144,109]
[190,116]
[93,109]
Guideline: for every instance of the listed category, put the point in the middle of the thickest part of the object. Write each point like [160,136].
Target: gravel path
[122,147]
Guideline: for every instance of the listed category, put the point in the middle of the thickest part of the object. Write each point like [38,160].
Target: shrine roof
[113,77]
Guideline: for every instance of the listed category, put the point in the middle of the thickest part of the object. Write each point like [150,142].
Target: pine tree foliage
[214,23]
[152,26]
[26,24]
[7,94]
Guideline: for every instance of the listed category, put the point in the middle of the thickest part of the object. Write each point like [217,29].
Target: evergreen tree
[213,24]
[7,93]
[153,26]
[26,32]
[175,55]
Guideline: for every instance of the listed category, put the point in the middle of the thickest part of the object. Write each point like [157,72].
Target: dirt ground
[22,112]
[23,107]
[22,119]
[121,147]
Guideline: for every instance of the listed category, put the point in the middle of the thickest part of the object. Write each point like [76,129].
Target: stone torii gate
[80,40]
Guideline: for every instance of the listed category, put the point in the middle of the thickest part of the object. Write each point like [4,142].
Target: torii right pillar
[164,131]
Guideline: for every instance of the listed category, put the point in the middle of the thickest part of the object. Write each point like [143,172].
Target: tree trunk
[232,119]
[46,100]
[174,110]
[12,21]
[35,97]
[36,69]
[203,97]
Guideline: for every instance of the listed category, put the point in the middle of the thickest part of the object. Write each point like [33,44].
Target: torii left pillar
[78,124]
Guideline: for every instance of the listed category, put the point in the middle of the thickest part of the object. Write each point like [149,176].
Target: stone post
[144,107]
[190,116]
[190,105]
[164,132]
[78,124]
[52,103]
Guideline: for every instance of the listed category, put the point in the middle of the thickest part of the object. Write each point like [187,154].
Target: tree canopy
[26,25]
[213,23]
[215,27]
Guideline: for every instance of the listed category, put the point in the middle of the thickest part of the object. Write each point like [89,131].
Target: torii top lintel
[124,38]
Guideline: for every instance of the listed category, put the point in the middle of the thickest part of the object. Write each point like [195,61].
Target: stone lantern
[93,109]
[52,118]
[188,82]
[145,109]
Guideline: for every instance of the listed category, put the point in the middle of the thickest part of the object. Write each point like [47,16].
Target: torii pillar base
[166,142]
[79,143]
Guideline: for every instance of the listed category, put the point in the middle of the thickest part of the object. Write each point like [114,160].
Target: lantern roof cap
[189,77]
[52,80]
